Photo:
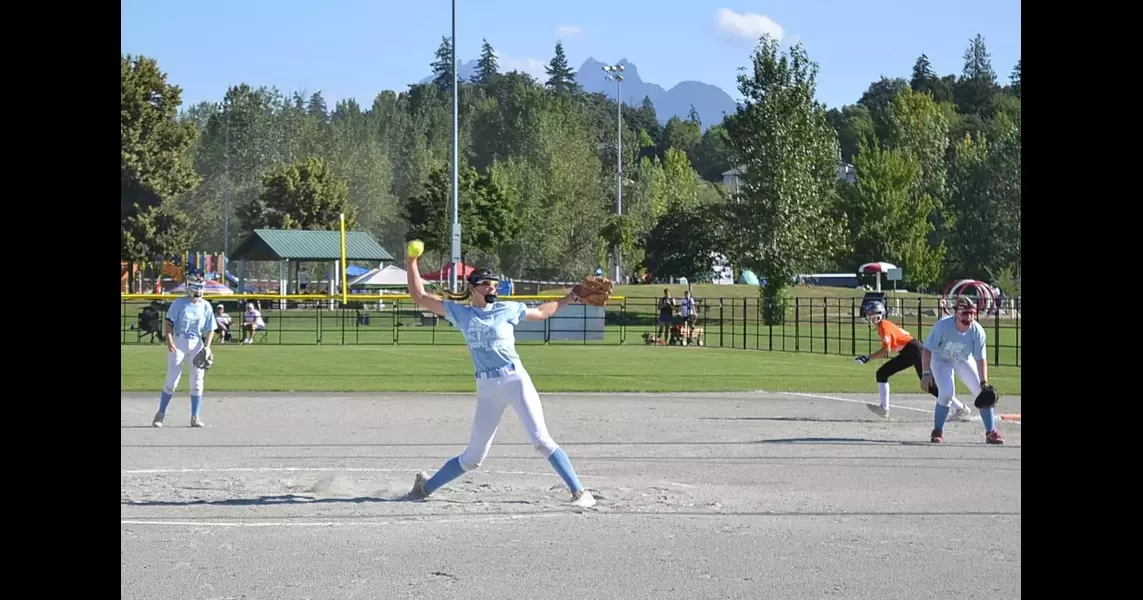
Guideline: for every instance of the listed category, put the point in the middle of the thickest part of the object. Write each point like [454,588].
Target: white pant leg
[196,374]
[175,365]
[967,373]
[526,403]
[490,405]
[943,375]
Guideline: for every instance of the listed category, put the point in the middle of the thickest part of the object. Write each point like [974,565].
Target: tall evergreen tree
[443,67]
[1014,78]
[486,68]
[561,78]
[976,89]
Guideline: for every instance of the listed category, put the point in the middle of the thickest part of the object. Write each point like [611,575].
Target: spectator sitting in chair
[253,322]
[150,322]
[223,321]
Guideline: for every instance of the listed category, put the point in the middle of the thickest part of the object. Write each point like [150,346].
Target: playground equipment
[878,268]
[980,292]
[175,268]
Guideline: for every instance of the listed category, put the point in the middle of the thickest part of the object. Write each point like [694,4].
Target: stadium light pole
[455,144]
[614,72]
[226,213]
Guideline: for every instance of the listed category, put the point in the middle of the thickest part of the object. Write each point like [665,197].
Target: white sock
[883,390]
[957,404]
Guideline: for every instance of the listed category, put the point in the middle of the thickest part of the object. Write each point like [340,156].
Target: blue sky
[356,48]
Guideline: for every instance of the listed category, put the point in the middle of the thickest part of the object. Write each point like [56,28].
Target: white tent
[387,277]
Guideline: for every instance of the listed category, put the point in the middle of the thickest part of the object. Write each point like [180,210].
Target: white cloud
[568,31]
[748,26]
[531,66]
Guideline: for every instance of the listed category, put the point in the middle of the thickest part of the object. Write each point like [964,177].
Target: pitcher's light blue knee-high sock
[451,470]
[988,418]
[196,403]
[164,401]
[939,416]
[562,465]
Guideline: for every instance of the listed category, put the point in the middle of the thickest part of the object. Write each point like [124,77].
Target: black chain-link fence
[821,325]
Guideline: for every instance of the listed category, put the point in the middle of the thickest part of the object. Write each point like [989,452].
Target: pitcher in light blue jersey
[488,326]
[957,344]
[188,329]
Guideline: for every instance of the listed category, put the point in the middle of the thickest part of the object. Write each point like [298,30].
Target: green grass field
[557,368]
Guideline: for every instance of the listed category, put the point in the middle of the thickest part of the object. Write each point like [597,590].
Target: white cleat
[197,422]
[158,420]
[962,414]
[583,499]
[877,410]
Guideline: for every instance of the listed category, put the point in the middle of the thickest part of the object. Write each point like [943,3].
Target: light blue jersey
[489,331]
[191,320]
[949,345]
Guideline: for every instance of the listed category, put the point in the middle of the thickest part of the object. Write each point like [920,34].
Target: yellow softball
[415,248]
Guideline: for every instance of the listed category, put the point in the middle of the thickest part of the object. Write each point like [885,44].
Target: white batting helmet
[195,285]
[873,311]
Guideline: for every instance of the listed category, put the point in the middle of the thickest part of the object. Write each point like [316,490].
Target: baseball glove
[594,291]
[987,397]
[204,359]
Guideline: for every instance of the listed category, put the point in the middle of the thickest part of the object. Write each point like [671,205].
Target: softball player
[951,347]
[188,329]
[501,380]
[908,349]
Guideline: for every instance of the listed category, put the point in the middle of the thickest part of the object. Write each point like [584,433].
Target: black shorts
[910,356]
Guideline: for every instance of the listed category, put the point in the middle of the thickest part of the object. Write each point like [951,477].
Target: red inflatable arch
[979,291]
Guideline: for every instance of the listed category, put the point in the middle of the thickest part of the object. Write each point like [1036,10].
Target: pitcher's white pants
[185,351]
[943,374]
[492,397]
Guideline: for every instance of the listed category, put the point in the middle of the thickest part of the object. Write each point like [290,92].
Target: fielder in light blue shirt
[189,330]
[950,345]
[957,346]
[191,319]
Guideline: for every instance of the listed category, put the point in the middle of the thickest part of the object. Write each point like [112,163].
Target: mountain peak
[710,102]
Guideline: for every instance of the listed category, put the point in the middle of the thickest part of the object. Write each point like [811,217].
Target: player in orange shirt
[908,349]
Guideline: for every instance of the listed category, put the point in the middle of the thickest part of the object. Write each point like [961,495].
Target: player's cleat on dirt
[158,420]
[993,437]
[961,414]
[197,422]
[583,499]
[420,491]
[937,436]
[877,410]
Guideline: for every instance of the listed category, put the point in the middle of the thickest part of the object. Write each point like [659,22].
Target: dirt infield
[700,496]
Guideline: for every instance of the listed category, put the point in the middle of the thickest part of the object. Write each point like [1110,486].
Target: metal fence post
[758,316]
[920,319]
[825,327]
[622,321]
[745,322]
[797,325]
[770,326]
[996,342]
[721,344]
